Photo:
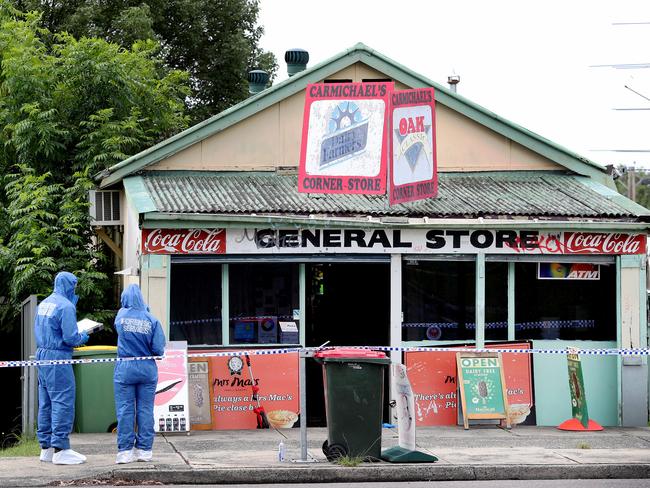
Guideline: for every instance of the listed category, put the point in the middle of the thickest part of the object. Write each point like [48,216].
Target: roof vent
[297,60]
[257,81]
[453,80]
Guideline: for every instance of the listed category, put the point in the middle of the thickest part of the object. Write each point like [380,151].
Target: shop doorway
[348,304]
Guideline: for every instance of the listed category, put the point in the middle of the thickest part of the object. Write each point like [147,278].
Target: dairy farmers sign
[379,241]
[343,146]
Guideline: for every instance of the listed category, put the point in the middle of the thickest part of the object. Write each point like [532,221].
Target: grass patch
[24,448]
[583,445]
[349,461]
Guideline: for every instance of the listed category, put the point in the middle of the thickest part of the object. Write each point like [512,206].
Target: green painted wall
[552,398]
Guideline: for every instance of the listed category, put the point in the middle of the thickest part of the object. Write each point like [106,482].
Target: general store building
[221,241]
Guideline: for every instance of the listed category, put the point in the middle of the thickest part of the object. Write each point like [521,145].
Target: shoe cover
[68,456]
[125,457]
[46,455]
[143,455]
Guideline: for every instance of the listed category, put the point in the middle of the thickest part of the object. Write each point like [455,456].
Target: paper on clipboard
[87,325]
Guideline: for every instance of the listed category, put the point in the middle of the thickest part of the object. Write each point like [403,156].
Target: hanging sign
[482,387]
[343,146]
[413,174]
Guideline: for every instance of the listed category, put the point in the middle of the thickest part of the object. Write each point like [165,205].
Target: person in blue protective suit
[55,329]
[139,334]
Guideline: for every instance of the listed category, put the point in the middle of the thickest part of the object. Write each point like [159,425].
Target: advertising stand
[171,405]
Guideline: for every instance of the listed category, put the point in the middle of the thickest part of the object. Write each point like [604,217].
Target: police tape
[266,352]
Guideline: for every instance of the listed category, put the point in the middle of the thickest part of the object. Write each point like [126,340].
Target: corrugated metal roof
[460,195]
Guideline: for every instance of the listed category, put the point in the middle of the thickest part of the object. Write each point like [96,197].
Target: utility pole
[631,184]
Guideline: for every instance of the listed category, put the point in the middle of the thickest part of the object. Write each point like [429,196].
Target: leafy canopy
[68,109]
[216,41]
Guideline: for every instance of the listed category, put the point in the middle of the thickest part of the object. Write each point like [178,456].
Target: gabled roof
[370,57]
[544,195]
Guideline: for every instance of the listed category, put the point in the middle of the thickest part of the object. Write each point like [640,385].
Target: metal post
[25,380]
[480,301]
[303,408]
[304,354]
[511,301]
[31,407]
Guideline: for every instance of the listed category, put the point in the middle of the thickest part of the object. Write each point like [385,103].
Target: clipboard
[88,325]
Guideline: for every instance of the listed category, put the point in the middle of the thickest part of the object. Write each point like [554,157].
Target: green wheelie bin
[94,401]
[354,393]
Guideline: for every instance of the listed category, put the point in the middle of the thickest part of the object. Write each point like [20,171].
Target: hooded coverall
[139,334]
[56,333]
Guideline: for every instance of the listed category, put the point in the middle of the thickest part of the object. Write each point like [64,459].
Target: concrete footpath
[248,457]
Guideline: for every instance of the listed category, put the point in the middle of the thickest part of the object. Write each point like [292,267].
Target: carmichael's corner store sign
[356,137]
[376,241]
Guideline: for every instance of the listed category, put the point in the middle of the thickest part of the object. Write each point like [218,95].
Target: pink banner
[413,172]
[343,146]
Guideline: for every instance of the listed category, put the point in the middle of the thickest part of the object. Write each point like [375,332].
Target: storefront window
[496,301]
[565,301]
[195,303]
[263,299]
[438,300]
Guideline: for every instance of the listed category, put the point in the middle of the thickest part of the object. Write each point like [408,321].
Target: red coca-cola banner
[591,243]
[183,241]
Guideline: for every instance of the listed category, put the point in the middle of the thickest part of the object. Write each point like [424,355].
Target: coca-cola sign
[183,241]
[590,243]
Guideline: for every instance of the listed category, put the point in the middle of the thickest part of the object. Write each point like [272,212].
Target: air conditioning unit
[105,207]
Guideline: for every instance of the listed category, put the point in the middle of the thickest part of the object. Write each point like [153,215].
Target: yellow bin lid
[96,348]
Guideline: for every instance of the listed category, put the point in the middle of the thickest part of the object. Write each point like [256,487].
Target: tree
[68,109]
[216,41]
[635,184]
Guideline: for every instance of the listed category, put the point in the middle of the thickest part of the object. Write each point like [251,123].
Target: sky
[535,63]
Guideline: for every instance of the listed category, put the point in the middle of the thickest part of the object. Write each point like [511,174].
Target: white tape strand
[263,352]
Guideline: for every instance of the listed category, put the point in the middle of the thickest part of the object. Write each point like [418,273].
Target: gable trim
[373,59]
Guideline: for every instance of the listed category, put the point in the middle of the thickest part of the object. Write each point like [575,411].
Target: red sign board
[343,146]
[433,379]
[413,172]
[231,395]
[585,243]
[183,241]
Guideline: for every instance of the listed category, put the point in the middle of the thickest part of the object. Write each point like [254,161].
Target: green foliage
[69,108]
[216,41]
[349,461]
[21,446]
[48,231]
[641,180]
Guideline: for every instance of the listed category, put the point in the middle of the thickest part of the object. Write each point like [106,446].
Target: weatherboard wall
[271,138]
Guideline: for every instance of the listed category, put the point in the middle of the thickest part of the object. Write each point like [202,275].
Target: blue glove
[84,337]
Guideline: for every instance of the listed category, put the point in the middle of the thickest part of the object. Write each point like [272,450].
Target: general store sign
[378,241]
